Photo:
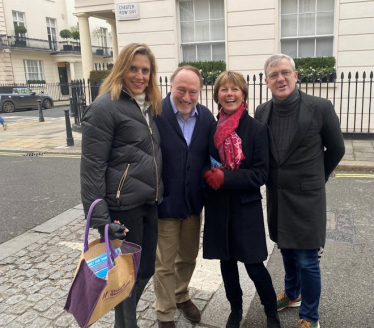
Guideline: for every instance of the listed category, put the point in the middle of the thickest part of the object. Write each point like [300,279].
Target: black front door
[64,85]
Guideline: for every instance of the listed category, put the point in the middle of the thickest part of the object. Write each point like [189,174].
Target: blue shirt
[187,126]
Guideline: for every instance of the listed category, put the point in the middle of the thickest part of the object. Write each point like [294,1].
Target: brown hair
[114,81]
[230,77]
[188,68]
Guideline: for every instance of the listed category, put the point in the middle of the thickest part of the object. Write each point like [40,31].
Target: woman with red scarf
[234,226]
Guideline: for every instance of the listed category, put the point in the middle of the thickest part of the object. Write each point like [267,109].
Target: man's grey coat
[296,197]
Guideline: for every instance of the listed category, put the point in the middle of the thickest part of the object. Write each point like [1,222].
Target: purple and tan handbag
[91,297]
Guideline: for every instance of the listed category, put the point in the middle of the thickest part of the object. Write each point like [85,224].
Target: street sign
[127,11]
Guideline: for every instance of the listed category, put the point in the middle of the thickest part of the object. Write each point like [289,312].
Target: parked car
[21,97]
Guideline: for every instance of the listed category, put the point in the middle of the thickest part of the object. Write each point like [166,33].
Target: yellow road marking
[354,175]
[21,154]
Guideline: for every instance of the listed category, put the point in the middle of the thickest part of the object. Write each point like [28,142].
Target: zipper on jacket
[154,159]
[122,181]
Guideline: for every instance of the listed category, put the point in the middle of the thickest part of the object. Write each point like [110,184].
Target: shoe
[5,126]
[190,311]
[302,323]
[283,301]
[166,324]
[234,319]
[273,322]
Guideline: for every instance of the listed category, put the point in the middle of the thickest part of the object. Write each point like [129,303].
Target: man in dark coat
[306,144]
[184,129]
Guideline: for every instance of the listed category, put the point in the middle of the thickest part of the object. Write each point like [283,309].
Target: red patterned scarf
[227,141]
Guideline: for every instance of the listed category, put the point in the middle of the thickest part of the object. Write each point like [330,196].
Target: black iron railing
[351,96]
[50,45]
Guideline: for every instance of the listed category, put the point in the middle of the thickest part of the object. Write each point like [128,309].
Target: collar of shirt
[187,126]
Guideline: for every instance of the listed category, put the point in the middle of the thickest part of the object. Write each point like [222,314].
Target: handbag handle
[109,248]
[108,245]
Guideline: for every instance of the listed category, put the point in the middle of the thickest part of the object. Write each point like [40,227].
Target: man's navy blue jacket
[182,164]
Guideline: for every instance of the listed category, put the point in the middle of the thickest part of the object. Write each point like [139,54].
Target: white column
[86,47]
[113,27]
[72,70]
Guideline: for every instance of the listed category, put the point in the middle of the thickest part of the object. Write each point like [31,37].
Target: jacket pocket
[122,182]
[311,185]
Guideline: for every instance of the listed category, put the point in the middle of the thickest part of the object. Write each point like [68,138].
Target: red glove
[207,175]
[215,178]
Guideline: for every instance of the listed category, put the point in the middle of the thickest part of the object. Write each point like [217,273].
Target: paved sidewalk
[37,267]
[36,271]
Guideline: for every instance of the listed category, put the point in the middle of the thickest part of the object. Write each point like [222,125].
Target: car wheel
[47,104]
[8,107]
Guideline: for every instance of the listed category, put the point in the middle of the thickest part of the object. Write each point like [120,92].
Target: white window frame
[196,43]
[315,36]
[52,32]
[19,20]
[35,63]
[104,37]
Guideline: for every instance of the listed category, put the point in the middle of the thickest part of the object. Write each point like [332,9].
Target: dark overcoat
[296,197]
[234,225]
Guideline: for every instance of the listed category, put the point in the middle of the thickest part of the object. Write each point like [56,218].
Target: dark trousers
[261,279]
[142,223]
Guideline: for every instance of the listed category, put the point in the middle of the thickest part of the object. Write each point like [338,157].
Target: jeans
[303,275]
[1,121]
[142,223]
[261,279]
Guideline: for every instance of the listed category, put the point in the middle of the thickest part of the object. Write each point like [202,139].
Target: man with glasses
[306,144]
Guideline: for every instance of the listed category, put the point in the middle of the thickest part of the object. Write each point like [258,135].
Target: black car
[21,97]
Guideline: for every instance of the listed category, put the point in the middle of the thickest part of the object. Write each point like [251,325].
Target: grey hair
[275,59]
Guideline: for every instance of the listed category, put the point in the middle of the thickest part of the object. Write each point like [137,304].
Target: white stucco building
[245,33]
[41,53]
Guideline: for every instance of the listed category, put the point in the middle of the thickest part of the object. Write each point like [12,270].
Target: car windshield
[22,90]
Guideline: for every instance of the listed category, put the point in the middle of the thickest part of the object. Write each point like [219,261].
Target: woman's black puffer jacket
[121,157]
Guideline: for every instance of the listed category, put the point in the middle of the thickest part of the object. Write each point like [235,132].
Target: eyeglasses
[284,73]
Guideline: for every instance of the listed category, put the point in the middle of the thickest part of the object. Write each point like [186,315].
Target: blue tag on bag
[99,264]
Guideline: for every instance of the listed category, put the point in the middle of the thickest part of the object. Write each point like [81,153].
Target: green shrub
[75,32]
[208,69]
[20,29]
[36,82]
[65,34]
[97,77]
[309,68]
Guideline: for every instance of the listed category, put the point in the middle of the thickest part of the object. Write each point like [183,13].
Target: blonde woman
[121,162]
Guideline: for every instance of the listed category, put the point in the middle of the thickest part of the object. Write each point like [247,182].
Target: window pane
[325,5]
[187,32]
[306,48]
[306,24]
[289,25]
[202,31]
[325,23]
[14,16]
[218,51]
[201,9]
[289,7]
[189,53]
[307,6]
[217,30]
[289,47]
[203,52]
[217,9]
[324,47]
[186,11]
